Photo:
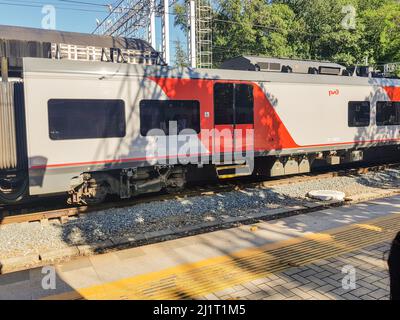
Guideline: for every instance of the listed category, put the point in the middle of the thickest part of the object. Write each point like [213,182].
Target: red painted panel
[269,131]
[191,89]
[393,93]
[244,137]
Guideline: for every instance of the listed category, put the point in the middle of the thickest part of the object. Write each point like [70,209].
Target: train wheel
[176,183]
[13,190]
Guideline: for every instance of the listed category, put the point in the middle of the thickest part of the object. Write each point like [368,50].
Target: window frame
[233,108]
[195,103]
[235,111]
[349,105]
[231,113]
[394,104]
[119,102]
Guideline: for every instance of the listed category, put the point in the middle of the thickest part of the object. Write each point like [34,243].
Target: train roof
[270,64]
[19,42]
[104,70]
[73,38]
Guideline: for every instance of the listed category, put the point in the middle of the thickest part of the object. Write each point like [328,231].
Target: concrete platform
[300,257]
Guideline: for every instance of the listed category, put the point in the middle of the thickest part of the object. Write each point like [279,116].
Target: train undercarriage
[94,187]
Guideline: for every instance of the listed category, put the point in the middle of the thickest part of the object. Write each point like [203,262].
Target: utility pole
[152,23]
[165,32]
[137,19]
[200,33]
[191,10]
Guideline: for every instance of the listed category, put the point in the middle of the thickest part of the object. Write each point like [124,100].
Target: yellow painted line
[199,278]
[230,176]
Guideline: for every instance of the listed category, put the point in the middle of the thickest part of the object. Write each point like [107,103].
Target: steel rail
[8,217]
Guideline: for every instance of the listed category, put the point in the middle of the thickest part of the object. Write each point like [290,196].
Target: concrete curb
[45,258]
[58,255]
[18,263]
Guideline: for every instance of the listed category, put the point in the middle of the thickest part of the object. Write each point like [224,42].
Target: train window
[223,103]
[233,103]
[387,113]
[244,102]
[86,119]
[157,114]
[359,113]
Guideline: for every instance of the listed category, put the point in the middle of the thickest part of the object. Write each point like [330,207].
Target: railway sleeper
[93,187]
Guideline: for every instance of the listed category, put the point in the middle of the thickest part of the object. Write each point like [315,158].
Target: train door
[233,118]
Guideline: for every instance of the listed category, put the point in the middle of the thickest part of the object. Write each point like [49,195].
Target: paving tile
[284,291]
[367,297]
[251,287]
[300,293]
[349,296]
[300,279]
[256,296]
[360,291]
[276,296]
[367,285]
[308,272]
[242,293]
[378,294]
[210,297]
[326,288]
[316,280]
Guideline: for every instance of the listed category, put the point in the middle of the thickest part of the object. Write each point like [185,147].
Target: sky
[70,15]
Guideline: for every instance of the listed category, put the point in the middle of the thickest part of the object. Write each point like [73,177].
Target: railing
[88,53]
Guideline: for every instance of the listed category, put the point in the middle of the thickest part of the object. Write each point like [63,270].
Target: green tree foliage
[181,57]
[180,13]
[255,27]
[313,29]
[382,31]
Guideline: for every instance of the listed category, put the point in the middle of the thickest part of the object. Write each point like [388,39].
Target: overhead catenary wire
[75,3]
[30,5]
[85,3]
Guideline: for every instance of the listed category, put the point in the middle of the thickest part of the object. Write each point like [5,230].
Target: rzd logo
[334,92]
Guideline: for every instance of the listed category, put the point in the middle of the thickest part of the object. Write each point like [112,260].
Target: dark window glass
[157,114]
[233,103]
[223,103]
[387,113]
[359,113]
[244,102]
[86,119]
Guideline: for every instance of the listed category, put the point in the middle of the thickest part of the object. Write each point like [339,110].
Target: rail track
[9,216]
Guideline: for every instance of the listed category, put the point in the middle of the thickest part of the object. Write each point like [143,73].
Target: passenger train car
[93,128]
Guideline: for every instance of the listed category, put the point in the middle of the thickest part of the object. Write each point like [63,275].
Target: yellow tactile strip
[211,275]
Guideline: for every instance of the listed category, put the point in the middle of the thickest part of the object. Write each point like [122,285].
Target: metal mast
[191,32]
[137,19]
[199,15]
[204,34]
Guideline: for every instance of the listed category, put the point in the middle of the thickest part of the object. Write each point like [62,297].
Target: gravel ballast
[34,238]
